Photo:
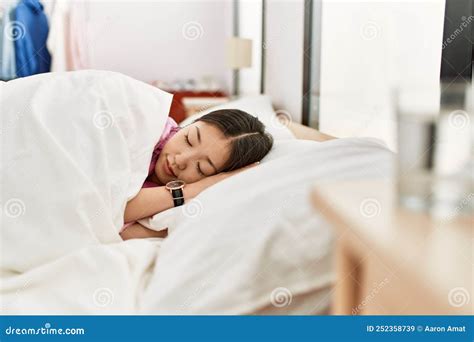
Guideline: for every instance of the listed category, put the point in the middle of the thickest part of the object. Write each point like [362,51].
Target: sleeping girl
[188,160]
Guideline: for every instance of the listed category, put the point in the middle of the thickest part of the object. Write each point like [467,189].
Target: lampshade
[239,53]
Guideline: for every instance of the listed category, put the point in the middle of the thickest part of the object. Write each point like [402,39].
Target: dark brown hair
[249,141]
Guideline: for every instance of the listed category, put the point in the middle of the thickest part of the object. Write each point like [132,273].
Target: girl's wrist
[190,191]
[193,189]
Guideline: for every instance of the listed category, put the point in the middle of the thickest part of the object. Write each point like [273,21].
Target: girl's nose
[181,160]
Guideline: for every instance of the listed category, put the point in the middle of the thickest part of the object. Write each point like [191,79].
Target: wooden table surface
[435,254]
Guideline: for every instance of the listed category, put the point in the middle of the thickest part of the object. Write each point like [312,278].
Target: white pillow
[253,239]
[259,106]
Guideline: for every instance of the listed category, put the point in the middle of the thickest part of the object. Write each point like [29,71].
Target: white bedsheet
[253,241]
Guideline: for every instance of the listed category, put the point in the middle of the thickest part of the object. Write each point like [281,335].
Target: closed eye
[187,140]
[198,167]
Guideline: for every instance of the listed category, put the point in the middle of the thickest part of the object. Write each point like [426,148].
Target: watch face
[175,185]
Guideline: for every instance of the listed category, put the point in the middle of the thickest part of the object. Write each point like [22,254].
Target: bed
[76,148]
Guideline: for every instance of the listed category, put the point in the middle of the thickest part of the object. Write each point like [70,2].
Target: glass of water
[435,149]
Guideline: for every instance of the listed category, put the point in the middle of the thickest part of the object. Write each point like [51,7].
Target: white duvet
[76,146]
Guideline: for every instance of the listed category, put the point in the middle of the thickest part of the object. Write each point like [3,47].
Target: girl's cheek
[192,178]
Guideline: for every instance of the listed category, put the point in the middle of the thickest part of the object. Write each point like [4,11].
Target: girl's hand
[195,188]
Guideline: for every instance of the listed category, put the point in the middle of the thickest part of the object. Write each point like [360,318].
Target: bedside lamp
[239,56]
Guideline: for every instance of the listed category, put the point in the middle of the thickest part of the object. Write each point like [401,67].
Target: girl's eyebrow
[199,140]
[198,134]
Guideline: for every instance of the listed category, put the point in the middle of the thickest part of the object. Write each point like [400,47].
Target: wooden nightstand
[391,261]
[193,105]
[178,110]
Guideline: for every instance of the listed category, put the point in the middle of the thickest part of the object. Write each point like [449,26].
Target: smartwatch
[175,188]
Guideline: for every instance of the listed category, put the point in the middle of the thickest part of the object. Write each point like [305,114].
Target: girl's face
[196,151]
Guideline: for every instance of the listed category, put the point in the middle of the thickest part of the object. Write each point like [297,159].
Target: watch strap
[178,197]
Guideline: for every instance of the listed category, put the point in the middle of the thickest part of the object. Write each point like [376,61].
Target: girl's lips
[168,169]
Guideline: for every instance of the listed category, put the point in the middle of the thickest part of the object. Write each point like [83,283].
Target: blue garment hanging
[7,47]
[31,53]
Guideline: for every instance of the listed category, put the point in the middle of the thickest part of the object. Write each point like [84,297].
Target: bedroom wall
[250,26]
[148,40]
[284,55]
[368,48]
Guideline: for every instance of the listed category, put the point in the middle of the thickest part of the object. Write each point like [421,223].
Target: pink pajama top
[171,127]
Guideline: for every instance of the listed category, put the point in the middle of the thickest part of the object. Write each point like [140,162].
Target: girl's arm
[151,201]
[307,133]
[137,231]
